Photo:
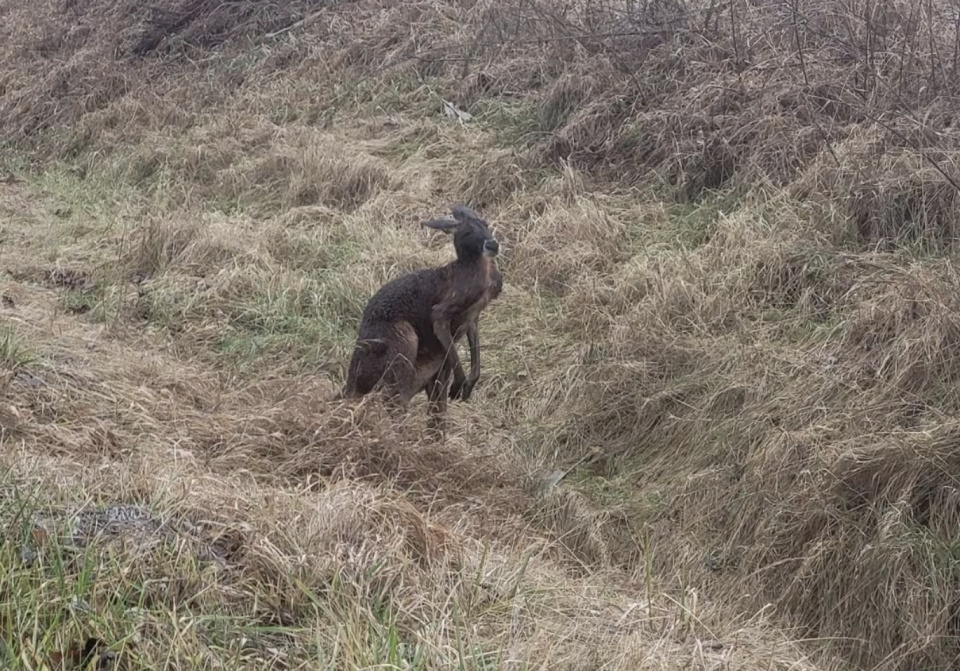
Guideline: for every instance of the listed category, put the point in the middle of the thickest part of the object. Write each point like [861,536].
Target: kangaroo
[410,327]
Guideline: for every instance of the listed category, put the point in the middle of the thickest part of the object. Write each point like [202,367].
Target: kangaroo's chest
[490,284]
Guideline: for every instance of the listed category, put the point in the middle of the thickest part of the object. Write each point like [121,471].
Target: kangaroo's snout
[491,247]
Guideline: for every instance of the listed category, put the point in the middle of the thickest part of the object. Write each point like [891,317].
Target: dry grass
[298,531]
[729,321]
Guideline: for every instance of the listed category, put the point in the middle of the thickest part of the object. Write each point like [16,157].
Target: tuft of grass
[13,351]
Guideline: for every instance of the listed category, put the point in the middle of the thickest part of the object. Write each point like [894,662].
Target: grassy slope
[344,541]
[729,309]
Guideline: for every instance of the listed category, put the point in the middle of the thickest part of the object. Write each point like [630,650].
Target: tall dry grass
[728,234]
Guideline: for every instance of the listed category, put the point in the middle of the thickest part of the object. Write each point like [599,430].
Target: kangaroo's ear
[445,225]
[462,213]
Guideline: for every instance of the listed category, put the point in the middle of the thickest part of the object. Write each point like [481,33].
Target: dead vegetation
[721,374]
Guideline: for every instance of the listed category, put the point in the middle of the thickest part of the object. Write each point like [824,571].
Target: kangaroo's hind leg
[399,377]
[437,402]
[367,366]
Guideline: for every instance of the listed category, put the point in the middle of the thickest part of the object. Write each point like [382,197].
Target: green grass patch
[56,598]
[13,352]
[102,303]
[74,195]
[312,320]
[512,122]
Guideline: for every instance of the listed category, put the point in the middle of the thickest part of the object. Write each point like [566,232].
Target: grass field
[730,319]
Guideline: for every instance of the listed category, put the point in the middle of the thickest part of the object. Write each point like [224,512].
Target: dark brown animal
[410,327]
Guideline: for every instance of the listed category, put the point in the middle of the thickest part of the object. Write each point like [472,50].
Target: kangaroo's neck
[479,270]
[478,261]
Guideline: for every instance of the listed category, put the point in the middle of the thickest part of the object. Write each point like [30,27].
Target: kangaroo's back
[405,298]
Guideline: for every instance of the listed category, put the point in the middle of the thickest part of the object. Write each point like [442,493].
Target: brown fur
[409,328]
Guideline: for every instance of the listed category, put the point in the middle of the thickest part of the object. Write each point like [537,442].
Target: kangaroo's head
[471,234]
